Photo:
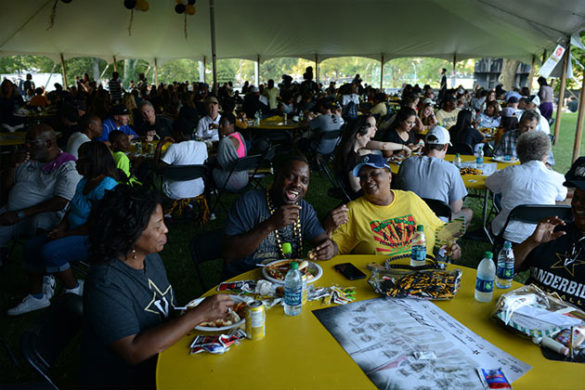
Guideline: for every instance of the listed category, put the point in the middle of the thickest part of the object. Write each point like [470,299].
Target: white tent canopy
[291,28]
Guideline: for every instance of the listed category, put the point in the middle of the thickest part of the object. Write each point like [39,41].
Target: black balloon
[180,8]
[130,4]
[191,2]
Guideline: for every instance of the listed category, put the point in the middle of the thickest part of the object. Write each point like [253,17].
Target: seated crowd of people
[90,202]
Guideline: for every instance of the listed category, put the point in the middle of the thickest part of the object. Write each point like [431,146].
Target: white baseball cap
[438,135]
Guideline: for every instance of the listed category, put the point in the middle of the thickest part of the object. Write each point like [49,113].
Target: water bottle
[418,255]
[486,274]
[293,291]
[257,116]
[505,270]
[457,161]
[479,158]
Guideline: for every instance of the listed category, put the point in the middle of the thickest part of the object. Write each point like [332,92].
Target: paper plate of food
[471,171]
[275,271]
[505,159]
[237,316]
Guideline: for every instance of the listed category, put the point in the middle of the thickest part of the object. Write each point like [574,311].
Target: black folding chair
[439,208]
[205,247]
[338,191]
[249,164]
[532,213]
[42,345]
[186,173]
[460,148]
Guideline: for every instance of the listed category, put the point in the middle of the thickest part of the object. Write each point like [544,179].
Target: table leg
[484,216]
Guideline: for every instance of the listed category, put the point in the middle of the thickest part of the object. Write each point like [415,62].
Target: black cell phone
[350,271]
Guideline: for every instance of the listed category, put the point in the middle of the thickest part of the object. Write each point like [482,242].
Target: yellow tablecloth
[10,139]
[299,353]
[476,182]
[274,123]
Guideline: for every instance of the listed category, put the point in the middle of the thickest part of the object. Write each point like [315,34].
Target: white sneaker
[77,290]
[29,303]
[49,286]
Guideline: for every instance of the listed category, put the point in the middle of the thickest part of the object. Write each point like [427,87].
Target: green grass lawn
[182,275]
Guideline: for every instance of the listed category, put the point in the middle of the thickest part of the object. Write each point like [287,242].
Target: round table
[299,353]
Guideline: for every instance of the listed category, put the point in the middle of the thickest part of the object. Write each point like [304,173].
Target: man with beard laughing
[260,222]
[555,253]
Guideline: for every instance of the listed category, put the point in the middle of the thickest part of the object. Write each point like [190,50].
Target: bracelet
[21,214]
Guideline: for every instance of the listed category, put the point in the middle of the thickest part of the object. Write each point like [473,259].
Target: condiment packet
[239,287]
[493,378]
[216,344]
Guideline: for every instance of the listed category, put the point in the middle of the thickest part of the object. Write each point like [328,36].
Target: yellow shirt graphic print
[393,235]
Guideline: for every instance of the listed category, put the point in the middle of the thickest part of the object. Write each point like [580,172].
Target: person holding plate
[128,300]
[260,222]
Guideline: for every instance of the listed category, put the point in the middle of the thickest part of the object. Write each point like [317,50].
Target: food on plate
[235,315]
[278,270]
[470,171]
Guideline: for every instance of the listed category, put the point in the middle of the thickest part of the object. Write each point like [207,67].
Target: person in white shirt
[184,152]
[92,128]
[532,103]
[529,183]
[271,93]
[208,125]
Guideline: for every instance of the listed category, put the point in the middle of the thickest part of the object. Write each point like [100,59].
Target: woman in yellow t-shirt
[383,221]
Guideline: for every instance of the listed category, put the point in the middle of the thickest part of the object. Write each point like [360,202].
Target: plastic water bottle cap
[286,248]
[420,228]
[294,265]
[488,255]
[507,244]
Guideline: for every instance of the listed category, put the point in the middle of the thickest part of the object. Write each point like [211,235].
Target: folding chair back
[440,208]
[533,213]
[184,172]
[461,148]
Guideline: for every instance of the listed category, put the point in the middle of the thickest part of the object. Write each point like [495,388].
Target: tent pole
[317,68]
[580,116]
[51,75]
[453,71]
[566,60]
[531,74]
[257,71]
[115,65]
[64,72]
[382,71]
[204,67]
[155,72]
[106,68]
[213,54]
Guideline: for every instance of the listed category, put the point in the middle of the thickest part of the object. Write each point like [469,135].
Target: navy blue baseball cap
[576,175]
[371,160]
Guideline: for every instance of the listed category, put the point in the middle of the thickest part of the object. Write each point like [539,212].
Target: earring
[134,254]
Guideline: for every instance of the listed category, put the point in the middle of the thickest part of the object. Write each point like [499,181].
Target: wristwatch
[20,214]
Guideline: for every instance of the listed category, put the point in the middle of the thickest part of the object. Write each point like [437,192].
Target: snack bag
[431,283]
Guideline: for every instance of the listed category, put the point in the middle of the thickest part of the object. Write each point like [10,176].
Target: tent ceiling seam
[25,23]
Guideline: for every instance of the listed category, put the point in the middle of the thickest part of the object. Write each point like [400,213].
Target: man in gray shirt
[430,176]
[38,189]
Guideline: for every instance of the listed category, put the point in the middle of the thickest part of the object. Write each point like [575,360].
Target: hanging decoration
[140,5]
[186,9]
[53,13]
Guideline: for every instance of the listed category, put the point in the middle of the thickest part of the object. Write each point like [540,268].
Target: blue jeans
[44,255]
